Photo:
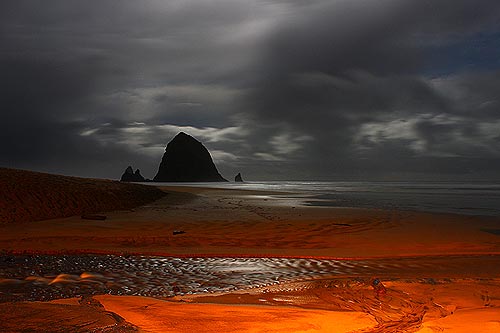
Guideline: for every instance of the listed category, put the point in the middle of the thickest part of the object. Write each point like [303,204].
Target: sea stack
[187,160]
[238,178]
[130,176]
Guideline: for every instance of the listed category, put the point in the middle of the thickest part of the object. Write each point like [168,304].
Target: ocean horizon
[465,198]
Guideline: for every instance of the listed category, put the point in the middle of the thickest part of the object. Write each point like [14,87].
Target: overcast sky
[337,89]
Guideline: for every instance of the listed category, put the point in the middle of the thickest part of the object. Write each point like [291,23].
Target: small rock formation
[238,178]
[130,176]
[187,160]
[138,176]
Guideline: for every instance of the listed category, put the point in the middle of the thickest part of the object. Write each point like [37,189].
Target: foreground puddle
[43,277]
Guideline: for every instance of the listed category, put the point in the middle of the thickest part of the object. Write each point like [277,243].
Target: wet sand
[45,277]
[68,315]
[325,305]
[204,223]
[425,305]
[154,315]
[211,222]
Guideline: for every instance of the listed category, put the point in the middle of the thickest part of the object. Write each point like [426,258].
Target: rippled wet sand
[41,277]
[403,307]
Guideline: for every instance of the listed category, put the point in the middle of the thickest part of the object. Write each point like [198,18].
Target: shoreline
[353,195]
[236,223]
[248,224]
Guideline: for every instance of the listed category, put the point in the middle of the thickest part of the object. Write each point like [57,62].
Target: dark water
[474,198]
[41,277]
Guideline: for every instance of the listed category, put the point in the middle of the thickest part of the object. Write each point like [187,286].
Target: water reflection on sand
[42,277]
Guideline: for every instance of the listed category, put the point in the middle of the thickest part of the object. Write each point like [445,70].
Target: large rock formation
[130,176]
[187,160]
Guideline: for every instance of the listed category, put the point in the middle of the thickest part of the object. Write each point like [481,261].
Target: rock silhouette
[130,176]
[238,178]
[187,160]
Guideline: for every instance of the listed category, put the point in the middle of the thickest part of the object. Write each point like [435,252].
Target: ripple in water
[42,277]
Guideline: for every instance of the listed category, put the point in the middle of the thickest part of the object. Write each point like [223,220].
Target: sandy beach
[440,271]
[218,222]
[252,166]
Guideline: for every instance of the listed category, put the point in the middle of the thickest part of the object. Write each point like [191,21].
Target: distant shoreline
[469,198]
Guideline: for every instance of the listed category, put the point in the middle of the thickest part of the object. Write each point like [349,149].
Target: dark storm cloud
[43,108]
[69,67]
[339,71]
[360,55]
[277,89]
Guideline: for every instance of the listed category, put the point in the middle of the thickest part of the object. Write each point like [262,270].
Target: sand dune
[33,196]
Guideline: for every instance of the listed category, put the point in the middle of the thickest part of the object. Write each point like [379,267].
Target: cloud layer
[275,89]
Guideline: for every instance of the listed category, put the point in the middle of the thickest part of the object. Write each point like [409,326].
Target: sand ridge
[27,196]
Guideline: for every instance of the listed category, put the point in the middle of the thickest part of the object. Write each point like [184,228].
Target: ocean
[474,198]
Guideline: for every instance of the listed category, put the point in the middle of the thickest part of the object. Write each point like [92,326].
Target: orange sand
[330,305]
[232,223]
[152,315]
[462,305]
[59,316]
[243,223]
